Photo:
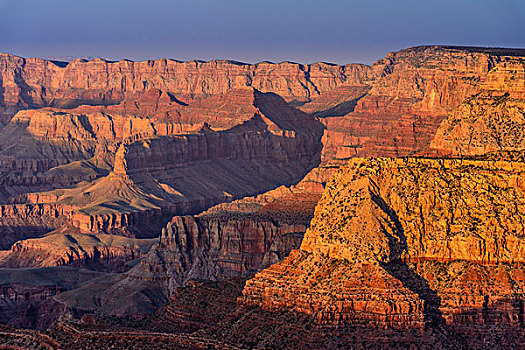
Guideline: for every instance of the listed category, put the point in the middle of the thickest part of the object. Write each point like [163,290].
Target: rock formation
[33,83]
[96,109]
[397,110]
[20,221]
[211,154]
[423,247]
[491,120]
[206,247]
[219,246]
[406,243]
[96,252]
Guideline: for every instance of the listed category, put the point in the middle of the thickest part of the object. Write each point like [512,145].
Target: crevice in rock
[401,270]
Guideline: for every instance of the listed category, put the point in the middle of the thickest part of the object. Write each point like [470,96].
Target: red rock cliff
[33,83]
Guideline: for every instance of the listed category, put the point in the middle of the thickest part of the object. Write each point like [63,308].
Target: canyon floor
[167,204]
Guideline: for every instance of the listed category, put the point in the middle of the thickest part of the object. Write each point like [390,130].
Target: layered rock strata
[409,93]
[96,252]
[208,247]
[221,246]
[392,238]
[491,120]
[163,167]
[34,83]
[20,221]
[400,244]
[392,108]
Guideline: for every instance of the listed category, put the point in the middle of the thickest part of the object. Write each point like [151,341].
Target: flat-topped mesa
[393,241]
[33,82]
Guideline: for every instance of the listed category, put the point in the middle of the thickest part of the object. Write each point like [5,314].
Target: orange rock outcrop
[407,242]
[119,147]
[98,108]
[490,120]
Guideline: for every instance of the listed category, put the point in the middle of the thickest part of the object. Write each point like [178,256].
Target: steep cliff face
[38,140]
[410,92]
[406,103]
[411,95]
[205,315]
[444,209]
[397,244]
[33,83]
[137,118]
[485,123]
[392,239]
[20,221]
[392,108]
[220,246]
[491,120]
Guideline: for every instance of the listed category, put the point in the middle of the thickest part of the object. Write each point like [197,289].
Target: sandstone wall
[20,221]
[407,242]
[491,120]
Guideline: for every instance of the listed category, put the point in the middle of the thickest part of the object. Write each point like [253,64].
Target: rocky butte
[401,242]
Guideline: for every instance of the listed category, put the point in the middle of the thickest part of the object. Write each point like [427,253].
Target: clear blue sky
[247,30]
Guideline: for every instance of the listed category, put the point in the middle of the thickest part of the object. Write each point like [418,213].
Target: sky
[251,31]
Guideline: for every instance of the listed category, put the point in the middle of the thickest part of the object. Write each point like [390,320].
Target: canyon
[174,181]
[134,173]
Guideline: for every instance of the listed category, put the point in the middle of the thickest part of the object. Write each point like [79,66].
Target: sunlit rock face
[408,242]
[133,172]
[119,124]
